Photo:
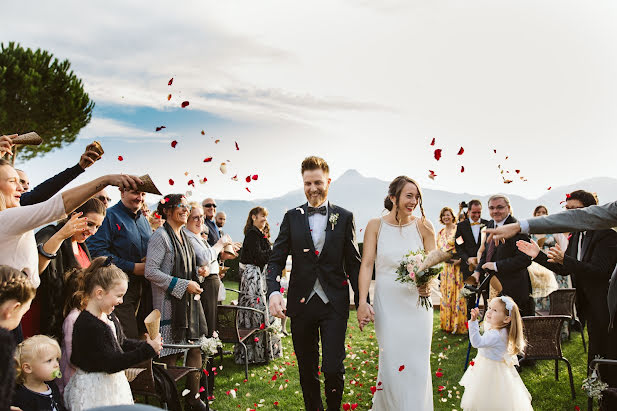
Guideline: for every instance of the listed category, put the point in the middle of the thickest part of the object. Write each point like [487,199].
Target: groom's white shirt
[318,223]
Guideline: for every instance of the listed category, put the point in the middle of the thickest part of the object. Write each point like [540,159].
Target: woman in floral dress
[453,310]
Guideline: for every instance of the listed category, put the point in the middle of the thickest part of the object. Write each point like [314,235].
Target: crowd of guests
[528,268]
[79,275]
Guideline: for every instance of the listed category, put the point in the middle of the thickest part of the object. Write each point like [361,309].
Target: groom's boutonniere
[333,219]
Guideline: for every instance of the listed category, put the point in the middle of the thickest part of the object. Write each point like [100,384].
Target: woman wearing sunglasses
[171,267]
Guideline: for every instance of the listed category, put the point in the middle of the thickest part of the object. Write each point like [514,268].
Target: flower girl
[491,382]
[101,352]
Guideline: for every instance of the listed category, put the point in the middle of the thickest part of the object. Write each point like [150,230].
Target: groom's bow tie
[321,210]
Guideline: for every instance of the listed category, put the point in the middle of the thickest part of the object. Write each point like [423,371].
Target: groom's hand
[365,314]
[277,305]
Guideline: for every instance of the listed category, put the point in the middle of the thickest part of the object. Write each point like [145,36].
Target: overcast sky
[365,84]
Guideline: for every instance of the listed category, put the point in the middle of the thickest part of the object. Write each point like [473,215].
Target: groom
[321,239]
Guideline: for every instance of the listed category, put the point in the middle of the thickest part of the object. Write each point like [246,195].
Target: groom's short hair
[314,163]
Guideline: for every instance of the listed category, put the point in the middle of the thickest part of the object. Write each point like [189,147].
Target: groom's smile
[316,186]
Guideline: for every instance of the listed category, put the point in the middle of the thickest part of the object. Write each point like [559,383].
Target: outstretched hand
[89,157]
[123,181]
[365,314]
[6,145]
[530,248]
[501,234]
[556,254]
[76,224]
[474,313]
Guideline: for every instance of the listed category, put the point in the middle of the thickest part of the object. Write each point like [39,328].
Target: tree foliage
[40,93]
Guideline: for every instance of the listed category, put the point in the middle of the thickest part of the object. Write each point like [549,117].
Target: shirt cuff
[524,226]
[496,267]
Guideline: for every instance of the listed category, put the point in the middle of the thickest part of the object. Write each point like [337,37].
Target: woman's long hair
[255,211]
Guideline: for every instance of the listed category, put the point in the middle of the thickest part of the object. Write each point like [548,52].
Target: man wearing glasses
[209,206]
[124,236]
[507,262]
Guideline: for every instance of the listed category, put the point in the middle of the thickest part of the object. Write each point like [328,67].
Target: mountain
[364,197]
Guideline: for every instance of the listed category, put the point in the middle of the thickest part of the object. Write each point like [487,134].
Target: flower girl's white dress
[491,382]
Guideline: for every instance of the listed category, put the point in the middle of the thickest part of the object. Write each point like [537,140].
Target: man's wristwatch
[45,253]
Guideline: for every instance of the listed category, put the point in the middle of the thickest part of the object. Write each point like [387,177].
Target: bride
[403,329]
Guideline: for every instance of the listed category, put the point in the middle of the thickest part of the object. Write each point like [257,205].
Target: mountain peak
[351,173]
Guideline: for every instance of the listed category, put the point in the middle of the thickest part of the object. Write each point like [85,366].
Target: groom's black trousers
[320,318]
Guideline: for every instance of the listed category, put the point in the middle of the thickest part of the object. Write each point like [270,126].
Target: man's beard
[321,194]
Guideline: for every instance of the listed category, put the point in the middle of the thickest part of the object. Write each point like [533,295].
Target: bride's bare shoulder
[373,225]
[426,227]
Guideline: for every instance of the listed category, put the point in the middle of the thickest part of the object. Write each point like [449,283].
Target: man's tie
[321,210]
[490,251]
[478,223]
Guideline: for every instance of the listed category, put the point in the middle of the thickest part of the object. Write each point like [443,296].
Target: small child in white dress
[491,382]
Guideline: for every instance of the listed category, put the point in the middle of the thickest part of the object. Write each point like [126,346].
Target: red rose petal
[549,188]
[346,406]
[207,159]
[460,151]
[439,374]
[316,252]
[401,368]
[120,158]
[248,179]
[170,82]
[256,339]
[262,326]
[373,389]
[174,144]
[171,182]
[282,290]
[118,225]
[440,388]
[432,175]
[276,403]
[247,189]
[472,363]
[495,151]
[185,104]
[462,169]
[517,171]
[433,141]
[191,183]
[203,133]
[255,177]
[237,147]
[344,282]
[159,128]
[201,389]
[437,154]
[354,406]
[205,179]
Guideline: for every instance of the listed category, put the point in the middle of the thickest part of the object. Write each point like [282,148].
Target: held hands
[75,225]
[194,288]
[501,234]
[6,145]
[365,314]
[555,254]
[277,306]
[530,248]
[156,344]
[474,313]
[89,157]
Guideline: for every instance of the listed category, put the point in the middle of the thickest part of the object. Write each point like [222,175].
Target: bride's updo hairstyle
[396,188]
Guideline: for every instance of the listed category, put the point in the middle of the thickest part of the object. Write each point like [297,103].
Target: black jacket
[29,400]
[256,248]
[336,266]
[96,349]
[511,268]
[7,368]
[51,290]
[48,188]
[469,247]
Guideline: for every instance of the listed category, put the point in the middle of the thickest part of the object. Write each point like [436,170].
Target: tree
[40,93]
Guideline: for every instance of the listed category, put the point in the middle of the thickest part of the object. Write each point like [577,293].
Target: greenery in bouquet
[410,272]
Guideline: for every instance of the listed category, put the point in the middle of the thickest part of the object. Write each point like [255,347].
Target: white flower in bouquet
[411,272]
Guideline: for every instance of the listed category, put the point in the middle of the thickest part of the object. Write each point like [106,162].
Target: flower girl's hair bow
[509,302]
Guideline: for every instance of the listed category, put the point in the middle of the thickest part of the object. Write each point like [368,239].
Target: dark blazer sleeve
[48,188]
[352,257]
[278,258]
[602,262]
[461,250]
[518,261]
[255,249]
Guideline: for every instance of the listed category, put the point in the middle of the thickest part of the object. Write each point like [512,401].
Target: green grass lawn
[278,382]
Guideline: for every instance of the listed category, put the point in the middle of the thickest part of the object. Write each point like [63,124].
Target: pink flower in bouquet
[410,267]
[418,258]
[412,275]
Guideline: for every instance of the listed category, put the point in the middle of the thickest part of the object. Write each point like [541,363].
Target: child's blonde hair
[32,348]
[516,338]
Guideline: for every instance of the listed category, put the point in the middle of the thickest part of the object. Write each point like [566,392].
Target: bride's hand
[424,290]
[365,314]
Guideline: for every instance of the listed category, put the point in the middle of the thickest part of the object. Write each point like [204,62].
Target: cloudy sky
[366,84]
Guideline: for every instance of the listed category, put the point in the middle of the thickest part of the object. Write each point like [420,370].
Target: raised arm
[580,219]
[75,197]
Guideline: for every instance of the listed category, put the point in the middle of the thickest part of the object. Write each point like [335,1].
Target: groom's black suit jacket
[336,266]
[469,247]
[512,268]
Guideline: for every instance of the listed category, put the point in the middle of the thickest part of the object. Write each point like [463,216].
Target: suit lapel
[307,228]
[331,209]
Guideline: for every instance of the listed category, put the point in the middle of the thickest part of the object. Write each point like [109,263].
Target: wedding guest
[256,250]
[16,294]
[505,260]
[172,269]
[220,220]
[65,240]
[462,213]
[103,197]
[124,236]
[545,242]
[590,259]
[155,221]
[453,310]
[53,185]
[209,206]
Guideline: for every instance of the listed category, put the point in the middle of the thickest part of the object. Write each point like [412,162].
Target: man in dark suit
[505,260]
[321,239]
[590,259]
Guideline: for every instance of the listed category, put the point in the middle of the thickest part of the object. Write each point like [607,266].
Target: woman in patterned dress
[256,250]
[453,310]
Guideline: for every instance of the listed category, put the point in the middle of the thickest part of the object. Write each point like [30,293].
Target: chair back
[562,302]
[143,383]
[226,323]
[543,336]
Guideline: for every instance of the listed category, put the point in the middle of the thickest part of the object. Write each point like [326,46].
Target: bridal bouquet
[410,271]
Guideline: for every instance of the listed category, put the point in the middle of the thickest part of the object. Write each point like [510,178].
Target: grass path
[276,385]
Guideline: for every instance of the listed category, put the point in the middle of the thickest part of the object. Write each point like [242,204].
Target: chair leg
[589,404]
[570,375]
[556,370]
[246,361]
[582,335]
[221,353]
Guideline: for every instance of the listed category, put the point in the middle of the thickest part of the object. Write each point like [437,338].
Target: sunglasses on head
[208,205]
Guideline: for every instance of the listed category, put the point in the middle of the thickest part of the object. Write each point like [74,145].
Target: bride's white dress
[404,330]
